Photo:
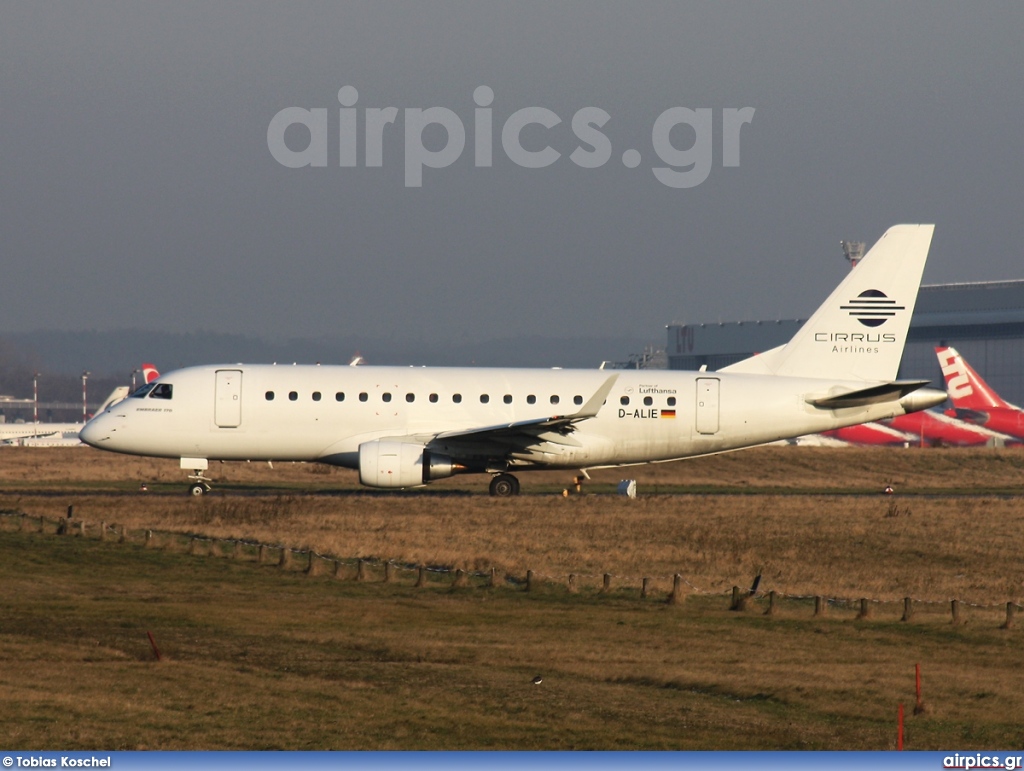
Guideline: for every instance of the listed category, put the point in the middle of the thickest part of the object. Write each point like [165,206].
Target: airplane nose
[95,432]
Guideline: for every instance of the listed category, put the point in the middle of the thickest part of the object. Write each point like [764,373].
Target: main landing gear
[504,486]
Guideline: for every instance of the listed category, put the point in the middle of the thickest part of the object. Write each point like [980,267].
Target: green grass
[256,657]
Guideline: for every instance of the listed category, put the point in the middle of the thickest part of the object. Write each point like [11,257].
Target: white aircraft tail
[116,395]
[859,332]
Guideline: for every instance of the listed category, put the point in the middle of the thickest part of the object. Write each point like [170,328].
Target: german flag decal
[668,413]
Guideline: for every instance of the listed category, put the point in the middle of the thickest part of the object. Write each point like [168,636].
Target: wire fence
[314,563]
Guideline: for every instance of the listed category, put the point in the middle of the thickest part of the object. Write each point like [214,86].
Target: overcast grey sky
[137,187]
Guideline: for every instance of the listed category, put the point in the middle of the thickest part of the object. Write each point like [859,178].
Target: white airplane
[407,426]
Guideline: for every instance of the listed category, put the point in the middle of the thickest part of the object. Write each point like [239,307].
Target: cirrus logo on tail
[872,308]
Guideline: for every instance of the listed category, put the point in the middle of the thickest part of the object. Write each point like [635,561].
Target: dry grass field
[263,656]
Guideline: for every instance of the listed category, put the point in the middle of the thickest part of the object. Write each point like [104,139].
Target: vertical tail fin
[149,373]
[966,388]
[858,333]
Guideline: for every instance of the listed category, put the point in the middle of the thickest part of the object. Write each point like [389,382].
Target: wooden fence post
[820,606]
[572,584]
[460,578]
[149,539]
[955,609]
[387,572]
[421,579]
[606,585]
[311,564]
[643,588]
[103,531]
[865,608]
[738,600]
[677,590]
[771,604]
[286,558]
[529,580]
[908,609]
[123,537]
[493,580]
[81,528]
[361,571]
[1011,611]
[337,569]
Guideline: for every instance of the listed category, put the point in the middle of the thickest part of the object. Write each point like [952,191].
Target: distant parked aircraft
[937,429]
[974,400]
[873,434]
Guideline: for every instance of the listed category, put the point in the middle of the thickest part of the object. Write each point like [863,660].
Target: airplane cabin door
[706,420]
[228,399]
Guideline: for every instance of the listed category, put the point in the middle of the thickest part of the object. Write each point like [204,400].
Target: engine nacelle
[392,463]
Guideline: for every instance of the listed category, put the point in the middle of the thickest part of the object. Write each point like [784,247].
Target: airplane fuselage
[324,413]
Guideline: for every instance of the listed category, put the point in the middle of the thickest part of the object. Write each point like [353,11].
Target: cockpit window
[162,391]
[142,393]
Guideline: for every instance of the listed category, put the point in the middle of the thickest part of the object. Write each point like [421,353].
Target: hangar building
[984,321]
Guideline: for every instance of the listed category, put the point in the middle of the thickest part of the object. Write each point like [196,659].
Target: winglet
[594,404]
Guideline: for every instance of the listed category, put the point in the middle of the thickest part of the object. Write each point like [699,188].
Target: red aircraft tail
[149,372]
[966,388]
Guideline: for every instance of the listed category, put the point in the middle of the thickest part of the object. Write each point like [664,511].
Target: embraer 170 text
[407,426]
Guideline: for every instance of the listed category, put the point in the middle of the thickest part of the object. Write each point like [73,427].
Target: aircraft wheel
[504,486]
[197,490]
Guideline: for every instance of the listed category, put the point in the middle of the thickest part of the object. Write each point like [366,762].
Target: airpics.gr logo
[872,308]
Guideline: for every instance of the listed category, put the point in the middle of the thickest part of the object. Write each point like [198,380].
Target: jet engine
[394,463]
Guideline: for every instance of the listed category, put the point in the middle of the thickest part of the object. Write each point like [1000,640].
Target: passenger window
[293,396]
[270,396]
[386,396]
[577,400]
[316,396]
[484,398]
[457,398]
[508,398]
[340,396]
[554,400]
[671,401]
[410,398]
[162,391]
[363,397]
[531,399]
[624,400]
[433,398]
[648,401]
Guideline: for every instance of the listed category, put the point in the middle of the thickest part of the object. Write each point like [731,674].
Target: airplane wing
[557,423]
[486,444]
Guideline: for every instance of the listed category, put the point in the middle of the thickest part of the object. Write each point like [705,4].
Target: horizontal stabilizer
[887,392]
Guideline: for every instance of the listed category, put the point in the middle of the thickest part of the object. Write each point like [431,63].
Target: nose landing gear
[200,484]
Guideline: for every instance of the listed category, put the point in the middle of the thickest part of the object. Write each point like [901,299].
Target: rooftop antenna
[853,251]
